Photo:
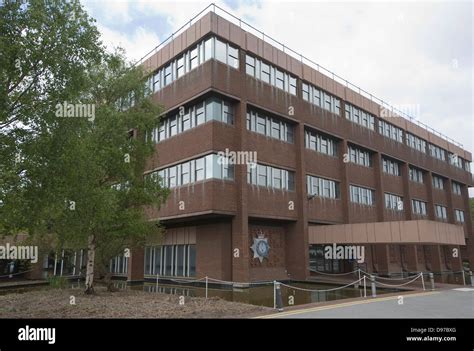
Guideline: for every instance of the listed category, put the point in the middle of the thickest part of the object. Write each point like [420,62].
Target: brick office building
[332,167]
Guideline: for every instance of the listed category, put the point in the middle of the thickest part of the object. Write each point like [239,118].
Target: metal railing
[304,60]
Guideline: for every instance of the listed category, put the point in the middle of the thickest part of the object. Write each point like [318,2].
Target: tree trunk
[89,289]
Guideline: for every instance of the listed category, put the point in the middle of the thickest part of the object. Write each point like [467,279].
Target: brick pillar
[406,192]
[297,241]
[429,187]
[135,271]
[240,225]
[382,258]
[455,263]
[411,258]
[345,195]
[379,193]
[449,197]
[436,263]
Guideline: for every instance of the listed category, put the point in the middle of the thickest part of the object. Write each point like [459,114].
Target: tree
[46,50]
[80,176]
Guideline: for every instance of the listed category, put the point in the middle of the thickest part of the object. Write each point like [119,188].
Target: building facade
[331,167]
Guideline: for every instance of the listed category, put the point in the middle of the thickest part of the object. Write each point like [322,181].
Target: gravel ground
[55,303]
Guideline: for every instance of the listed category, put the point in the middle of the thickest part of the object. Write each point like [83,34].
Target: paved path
[454,303]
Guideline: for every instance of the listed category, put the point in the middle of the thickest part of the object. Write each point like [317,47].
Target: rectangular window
[438,182]
[419,207]
[441,212]
[416,175]
[208,49]
[305,91]
[250,65]
[221,54]
[167,75]
[459,216]
[180,67]
[292,86]
[233,57]
[199,172]
[185,174]
[265,73]
[193,58]
[393,202]
[362,195]
[262,175]
[456,188]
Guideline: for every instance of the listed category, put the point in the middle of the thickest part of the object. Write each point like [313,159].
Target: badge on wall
[260,246]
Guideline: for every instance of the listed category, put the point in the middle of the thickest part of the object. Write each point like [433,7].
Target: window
[437,152]
[221,51]
[208,49]
[199,170]
[416,143]
[193,58]
[170,260]
[275,129]
[438,182]
[459,215]
[359,157]
[269,126]
[321,99]
[390,131]
[391,167]
[268,176]
[173,130]
[207,167]
[157,81]
[180,67]
[233,57]
[362,195]
[441,212]
[305,91]
[360,117]
[292,86]
[270,74]
[393,202]
[262,175]
[185,175]
[186,121]
[250,65]
[265,72]
[321,187]
[279,80]
[167,75]
[419,207]
[416,175]
[456,188]
[320,143]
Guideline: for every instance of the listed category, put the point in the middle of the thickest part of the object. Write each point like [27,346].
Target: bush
[56,282]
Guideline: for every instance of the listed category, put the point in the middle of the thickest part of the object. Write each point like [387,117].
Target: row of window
[441,212]
[359,157]
[320,143]
[361,195]
[192,58]
[270,177]
[393,202]
[415,175]
[269,126]
[193,116]
[415,142]
[321,98]
[459,216]
[270,74]
[437,152]
[391,167]
[208,167]
[438,182]
[456,188]
[119,265]
[419,207]
[390,131]
[360,117]
[322,187]
[170,260]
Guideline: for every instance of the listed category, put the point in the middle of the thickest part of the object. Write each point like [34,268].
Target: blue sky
[410,53]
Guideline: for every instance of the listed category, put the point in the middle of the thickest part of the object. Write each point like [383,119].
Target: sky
[417,55]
